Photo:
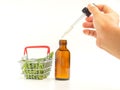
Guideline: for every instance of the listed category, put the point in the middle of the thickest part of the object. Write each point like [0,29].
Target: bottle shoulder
[62,50]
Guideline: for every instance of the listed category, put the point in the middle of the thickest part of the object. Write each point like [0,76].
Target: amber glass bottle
[62,61]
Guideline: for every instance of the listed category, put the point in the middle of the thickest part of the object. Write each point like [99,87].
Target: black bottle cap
[86,11]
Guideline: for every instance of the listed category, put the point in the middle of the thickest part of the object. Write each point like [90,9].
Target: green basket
[37,68]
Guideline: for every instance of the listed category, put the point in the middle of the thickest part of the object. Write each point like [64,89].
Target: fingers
[90,32]
[96,9]
[89,19]
[93,9]
[104,8]
[88,25]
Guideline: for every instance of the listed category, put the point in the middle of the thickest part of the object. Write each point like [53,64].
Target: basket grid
[33,69]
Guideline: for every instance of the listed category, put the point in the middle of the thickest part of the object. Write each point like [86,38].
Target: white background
[42,22]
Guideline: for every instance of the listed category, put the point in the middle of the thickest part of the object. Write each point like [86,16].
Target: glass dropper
[85,13]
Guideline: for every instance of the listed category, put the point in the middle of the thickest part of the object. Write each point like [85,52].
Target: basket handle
[25,49]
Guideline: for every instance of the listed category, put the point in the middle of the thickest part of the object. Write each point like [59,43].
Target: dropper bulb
[86,11]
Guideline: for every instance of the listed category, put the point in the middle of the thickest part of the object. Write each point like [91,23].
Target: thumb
[93,9]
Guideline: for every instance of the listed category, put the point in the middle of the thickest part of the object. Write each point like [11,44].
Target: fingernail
[94,4]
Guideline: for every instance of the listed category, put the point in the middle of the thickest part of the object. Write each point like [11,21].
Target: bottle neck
[63,44]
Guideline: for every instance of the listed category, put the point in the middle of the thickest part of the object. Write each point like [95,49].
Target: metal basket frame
[34,68]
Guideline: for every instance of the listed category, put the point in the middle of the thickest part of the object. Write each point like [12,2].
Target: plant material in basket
[38,68]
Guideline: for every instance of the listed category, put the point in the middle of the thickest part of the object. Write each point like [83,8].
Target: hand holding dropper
[85,13]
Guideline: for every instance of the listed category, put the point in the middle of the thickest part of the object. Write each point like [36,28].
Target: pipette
[86,12]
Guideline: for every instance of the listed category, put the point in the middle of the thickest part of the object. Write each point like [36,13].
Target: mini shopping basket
[37,68]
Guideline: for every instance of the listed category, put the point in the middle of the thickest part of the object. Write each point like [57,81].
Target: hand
[104,26]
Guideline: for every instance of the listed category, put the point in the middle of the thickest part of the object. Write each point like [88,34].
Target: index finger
[89,19]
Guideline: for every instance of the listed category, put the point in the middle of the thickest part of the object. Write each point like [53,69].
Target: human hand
[105,21]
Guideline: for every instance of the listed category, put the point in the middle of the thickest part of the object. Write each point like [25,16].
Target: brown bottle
[62,61]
